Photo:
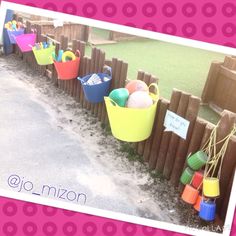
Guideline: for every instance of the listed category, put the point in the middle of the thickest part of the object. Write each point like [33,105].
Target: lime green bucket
[44,56]
[197,160]
[186,176]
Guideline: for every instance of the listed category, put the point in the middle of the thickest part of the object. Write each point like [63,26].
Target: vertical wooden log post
[119,76]
[228,167]
[161,156]
[225,126]
[75,84]
[83,72]
[163,105]
[99,68]
[104,118]
[55,79]
[28,30]
[197,136]
[227,194]
[208,90]
[191,116]
[88,70]
[145,146]
[174,141]
[230,62]
[140,147]
[64,46]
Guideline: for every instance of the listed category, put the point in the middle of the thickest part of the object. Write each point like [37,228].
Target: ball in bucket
[119,96]
[68,56]
[136,85]
[139,99]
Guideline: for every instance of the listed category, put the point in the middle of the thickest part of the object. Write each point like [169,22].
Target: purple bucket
[26,42]
[13,34]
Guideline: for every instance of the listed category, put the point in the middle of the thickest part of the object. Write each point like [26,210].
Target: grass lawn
[177,66]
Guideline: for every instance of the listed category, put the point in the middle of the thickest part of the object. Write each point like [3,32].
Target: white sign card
[176,124]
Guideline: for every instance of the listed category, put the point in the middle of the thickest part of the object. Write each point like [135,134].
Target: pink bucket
[26,41]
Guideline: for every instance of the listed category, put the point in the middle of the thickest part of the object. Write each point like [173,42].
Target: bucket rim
[189,170]
[67,62]
[199,172]
[53,47]
[20,30]
[203,157]
[189,186]
[108,99]
[25,35]
[204,202]
[211,179]
[81,79]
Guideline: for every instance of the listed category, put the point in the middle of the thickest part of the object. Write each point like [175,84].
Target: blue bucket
[207,210]
[12,34]
[95,93]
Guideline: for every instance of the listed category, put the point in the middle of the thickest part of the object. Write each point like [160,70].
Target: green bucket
[186,176]
[44,56]
[197,160]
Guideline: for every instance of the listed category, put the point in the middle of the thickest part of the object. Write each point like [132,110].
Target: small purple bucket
[13,34]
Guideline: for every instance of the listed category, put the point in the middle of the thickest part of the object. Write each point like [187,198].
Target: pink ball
[136,85]
[139,99]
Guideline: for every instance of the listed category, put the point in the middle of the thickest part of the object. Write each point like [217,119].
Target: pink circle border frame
[202,20]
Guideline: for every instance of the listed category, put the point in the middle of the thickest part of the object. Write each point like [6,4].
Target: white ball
[139,99]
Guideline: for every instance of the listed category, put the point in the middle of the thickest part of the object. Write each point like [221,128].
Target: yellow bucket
[211,187]
[132,125]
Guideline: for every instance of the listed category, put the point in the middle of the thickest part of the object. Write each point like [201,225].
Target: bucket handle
[155,96]
[77,53]
[80,79]
[107,69]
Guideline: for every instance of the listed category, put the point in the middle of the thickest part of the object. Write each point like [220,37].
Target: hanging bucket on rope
[190,194]
[69,69]
[132,124]
[197,160]
[186,176]
[197,180]
[211,187]
[25,42]
[14,33]
[198,202]
[211,184]
[95,93]
[44,56]
[207,210]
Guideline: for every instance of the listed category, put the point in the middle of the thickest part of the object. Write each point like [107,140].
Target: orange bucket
[190,194]
[198,202]
[68,70]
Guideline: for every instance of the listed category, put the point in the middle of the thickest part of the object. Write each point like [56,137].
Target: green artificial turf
[176,66]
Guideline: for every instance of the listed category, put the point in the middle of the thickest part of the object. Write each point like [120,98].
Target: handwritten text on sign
[176,124]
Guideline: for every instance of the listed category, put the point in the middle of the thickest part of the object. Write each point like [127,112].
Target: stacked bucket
[197,191]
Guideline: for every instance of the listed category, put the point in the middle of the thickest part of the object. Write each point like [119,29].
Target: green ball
[119,96]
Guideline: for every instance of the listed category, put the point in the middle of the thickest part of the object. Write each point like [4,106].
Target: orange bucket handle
[77,53]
